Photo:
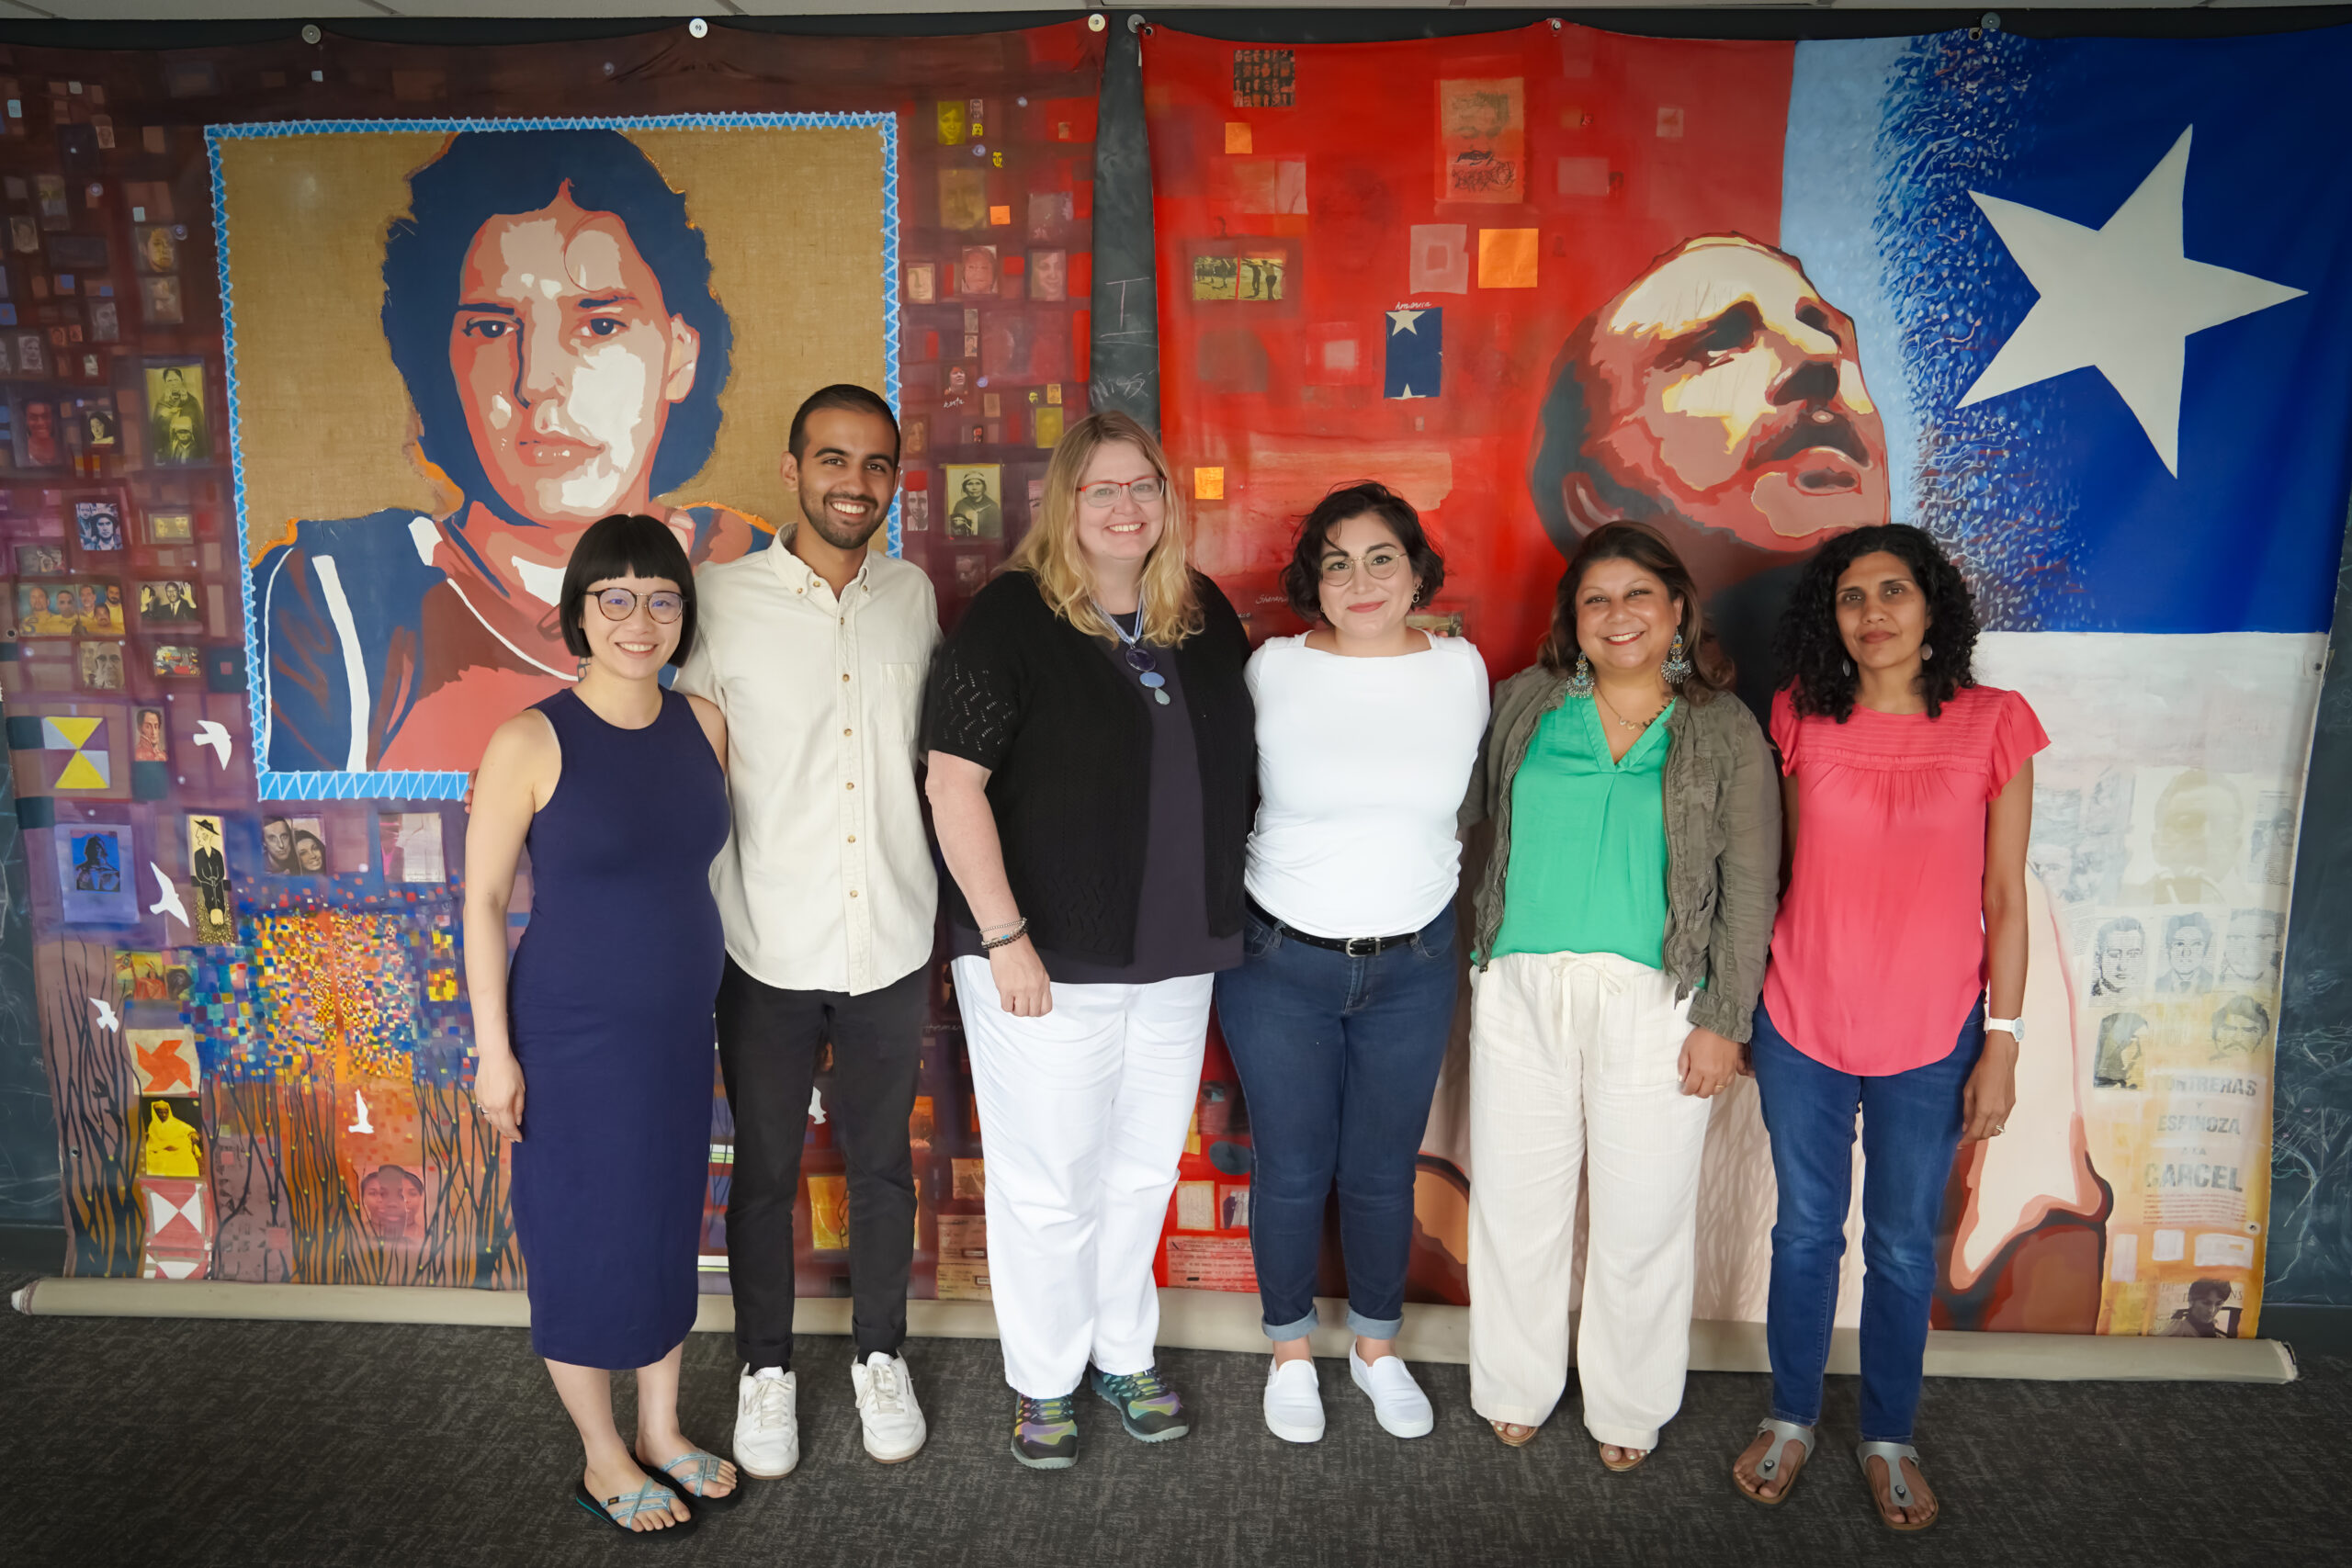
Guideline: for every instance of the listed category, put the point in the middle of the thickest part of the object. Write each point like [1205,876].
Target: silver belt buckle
[1364,946]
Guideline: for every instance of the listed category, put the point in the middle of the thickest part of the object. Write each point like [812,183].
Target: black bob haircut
[1302,578]
[1820,675]
[627,544]
[846,395]
[483,175]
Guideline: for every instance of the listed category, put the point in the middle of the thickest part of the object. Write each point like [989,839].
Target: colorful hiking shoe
[1147,1407]
[1045,1432]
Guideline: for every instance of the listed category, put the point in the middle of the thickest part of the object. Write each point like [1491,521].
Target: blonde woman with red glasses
[1091,754]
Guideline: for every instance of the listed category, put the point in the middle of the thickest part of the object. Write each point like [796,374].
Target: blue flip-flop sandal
[621,1512]
[705,1471]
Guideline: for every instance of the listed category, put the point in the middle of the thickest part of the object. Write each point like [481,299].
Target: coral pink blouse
[1878,954]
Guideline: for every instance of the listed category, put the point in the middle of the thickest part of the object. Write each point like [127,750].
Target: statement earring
[1676,665]
[1580,682]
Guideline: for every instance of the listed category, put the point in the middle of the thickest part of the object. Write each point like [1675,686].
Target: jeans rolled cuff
[1902,1442]
[1793,1420]
[1374,1327]
[1283,1333]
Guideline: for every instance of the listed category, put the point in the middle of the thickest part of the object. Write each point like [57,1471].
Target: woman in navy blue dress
[602,1074]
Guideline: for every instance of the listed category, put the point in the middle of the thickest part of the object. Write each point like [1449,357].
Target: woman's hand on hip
[1709,1062]
[1021,984]
[498,1090]
[1991,1091]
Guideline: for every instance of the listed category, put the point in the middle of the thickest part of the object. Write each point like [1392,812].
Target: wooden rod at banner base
[1189,1320]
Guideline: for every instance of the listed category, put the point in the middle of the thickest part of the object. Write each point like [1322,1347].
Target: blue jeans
[1910,1129]
[1338,1057]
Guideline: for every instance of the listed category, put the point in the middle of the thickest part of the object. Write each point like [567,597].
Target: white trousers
[1572,1078]
[1084,1114]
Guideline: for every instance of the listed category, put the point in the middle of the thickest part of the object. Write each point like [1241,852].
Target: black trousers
[768,1044]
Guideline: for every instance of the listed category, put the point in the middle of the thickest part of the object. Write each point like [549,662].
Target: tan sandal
[1504,1429]
[1622,1466]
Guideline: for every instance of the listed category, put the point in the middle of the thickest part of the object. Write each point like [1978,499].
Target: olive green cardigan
[1723,841]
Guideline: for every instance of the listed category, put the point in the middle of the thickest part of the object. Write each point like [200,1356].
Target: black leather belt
[1353,946]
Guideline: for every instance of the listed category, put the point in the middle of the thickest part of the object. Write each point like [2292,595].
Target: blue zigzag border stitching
[412,785]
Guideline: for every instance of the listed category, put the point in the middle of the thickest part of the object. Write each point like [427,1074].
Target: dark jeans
[768,1043]
[1910,1131]
[1338,1057]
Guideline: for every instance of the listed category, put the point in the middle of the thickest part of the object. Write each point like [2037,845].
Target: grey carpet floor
[177,1444]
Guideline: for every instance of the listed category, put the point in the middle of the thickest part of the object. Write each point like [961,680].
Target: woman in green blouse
[1623,923]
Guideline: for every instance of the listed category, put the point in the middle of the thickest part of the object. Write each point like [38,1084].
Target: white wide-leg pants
[1572,1076]
[1083,1119]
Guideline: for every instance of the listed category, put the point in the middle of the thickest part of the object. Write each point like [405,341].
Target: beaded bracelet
[1013,933]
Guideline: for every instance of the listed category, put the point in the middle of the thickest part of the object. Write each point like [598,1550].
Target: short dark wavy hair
[627,544]
[1820,674]
[1302,578]
[483,175]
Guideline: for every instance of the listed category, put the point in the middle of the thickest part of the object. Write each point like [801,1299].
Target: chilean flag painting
[2071,306]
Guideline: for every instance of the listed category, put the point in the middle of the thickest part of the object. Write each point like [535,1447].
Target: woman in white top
[1338,1017]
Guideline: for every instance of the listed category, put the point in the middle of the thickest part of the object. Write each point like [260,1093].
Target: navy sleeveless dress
[610,1000]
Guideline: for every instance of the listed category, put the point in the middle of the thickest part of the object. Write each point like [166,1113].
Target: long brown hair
[1710,668]
[1049,553]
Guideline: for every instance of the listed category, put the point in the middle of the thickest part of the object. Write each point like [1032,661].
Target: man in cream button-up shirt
[815,649]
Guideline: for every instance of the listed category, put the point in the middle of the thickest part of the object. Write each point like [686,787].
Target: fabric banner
[2064,304]
[316,363]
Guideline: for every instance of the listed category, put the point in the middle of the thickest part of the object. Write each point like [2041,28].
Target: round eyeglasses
[1104,495]
[664,605]
[1380,563]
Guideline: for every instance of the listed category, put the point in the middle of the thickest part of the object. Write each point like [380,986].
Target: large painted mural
[2057,302]
[296,447]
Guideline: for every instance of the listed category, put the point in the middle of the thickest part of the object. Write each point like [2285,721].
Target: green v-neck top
[1588,847]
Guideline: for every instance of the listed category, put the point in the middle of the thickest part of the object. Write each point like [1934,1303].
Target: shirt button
[844,674]
[853,838]
[849,786]
[852,892]
[844,732]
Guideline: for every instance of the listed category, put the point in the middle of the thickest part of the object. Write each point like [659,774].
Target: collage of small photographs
[994,322]
[2175,882]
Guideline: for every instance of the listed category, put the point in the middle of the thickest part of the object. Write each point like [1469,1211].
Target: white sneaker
[1294,1402]
[1397,1400]
[767,1423]
[887,1407]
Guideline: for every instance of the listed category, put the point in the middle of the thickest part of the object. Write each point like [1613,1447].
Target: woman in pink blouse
[1897,975]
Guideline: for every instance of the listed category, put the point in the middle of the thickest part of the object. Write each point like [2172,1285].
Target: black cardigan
[1066,738]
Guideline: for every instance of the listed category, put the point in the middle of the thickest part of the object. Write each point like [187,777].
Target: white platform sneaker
[767,1423]
[887,1407]
[1397,1402]
[1294,1402]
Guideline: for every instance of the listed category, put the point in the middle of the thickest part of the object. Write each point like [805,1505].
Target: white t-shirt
[1361,765]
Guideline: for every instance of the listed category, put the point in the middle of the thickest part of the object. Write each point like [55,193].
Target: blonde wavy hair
[1050,552]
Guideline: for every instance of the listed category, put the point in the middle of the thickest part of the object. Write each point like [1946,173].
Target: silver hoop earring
[1580,682]
[1676,667]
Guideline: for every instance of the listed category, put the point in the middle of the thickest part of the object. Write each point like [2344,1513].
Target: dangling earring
[1926,652]
[1676,665]
[1847,665]
[1581,683]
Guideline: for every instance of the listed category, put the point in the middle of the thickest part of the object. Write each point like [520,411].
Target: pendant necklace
[1139,658]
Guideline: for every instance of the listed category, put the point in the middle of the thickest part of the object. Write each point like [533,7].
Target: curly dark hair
[1820,674]
[1303,577]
